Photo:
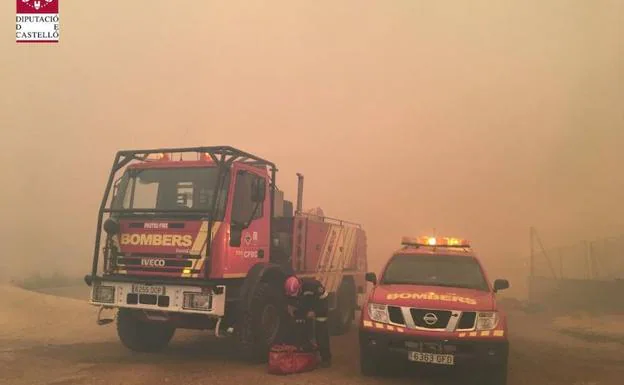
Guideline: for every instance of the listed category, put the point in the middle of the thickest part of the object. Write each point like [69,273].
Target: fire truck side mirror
[371,277]
[111,226]
[500,284]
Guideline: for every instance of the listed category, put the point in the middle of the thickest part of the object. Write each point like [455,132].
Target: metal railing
[600,259]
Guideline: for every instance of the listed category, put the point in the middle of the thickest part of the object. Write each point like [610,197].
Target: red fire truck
[202,238]
[433,305]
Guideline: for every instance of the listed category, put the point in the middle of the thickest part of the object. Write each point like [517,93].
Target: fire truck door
[249,222]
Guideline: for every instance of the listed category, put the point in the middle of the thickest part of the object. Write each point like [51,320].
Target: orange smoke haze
[478,119]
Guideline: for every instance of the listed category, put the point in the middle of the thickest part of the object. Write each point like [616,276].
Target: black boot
[322,339]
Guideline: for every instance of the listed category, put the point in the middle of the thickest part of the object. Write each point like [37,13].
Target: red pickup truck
[433,305]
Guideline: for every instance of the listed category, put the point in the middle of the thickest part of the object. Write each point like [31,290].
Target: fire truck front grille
[467,320]
[433,320]
[430,319]
[157,265]
[167,262]
[396,315]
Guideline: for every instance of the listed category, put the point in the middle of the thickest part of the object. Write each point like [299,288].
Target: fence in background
[587,275]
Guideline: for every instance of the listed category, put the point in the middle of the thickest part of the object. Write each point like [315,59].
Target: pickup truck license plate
[147,289]
[430,358]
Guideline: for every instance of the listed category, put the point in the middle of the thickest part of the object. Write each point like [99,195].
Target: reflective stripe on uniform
[321,319]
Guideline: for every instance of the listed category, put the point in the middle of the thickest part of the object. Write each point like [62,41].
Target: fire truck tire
[261,322]
[341,318]
[142,336]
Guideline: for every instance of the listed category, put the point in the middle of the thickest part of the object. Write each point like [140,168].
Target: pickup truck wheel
[495,375]
[341,318]
[261,323]
[369,365]
[142,336]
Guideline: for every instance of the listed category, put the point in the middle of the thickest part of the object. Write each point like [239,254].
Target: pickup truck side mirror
[500,284]
[371,277]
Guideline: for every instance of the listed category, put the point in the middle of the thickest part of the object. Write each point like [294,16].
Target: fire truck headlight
[487,320]
[197,301]
[104,294]
[378,312]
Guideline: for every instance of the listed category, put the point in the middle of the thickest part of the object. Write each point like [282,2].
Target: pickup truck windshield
[435,270]
[183,189]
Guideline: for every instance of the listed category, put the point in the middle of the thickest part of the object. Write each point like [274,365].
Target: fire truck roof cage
[219,154]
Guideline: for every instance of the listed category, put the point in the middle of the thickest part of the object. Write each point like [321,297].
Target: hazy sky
[478,118]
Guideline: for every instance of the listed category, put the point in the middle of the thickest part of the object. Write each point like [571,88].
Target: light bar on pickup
[434,241]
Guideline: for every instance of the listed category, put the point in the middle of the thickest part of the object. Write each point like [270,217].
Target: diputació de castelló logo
[37,21]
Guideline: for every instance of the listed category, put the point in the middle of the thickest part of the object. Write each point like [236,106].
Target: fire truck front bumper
[160,297]
[432,351]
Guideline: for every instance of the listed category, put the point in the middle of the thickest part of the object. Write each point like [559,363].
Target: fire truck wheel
[261,323]
[141,336]
[341,318]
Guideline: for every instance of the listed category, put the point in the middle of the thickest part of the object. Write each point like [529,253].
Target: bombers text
[173,240]
[432,297]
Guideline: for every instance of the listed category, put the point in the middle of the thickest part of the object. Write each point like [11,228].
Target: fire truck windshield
[171,189]
[435,270]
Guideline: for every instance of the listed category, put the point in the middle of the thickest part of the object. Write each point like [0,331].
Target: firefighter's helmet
[292,286]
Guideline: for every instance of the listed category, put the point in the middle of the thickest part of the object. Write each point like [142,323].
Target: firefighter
[307,299]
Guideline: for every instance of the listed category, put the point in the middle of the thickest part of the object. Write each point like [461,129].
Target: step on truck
[433,305]
[202,238]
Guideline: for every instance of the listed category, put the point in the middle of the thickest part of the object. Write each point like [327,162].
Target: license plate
[147,289]
[430,358]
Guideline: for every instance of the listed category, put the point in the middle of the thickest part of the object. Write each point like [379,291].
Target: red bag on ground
[288,359]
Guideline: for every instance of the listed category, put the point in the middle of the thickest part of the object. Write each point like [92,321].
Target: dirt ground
[53,339]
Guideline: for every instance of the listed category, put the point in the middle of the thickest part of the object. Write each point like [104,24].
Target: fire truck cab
[433,305]
[201,238]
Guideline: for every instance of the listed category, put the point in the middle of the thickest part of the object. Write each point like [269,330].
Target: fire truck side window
[259,208]
[243,206]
